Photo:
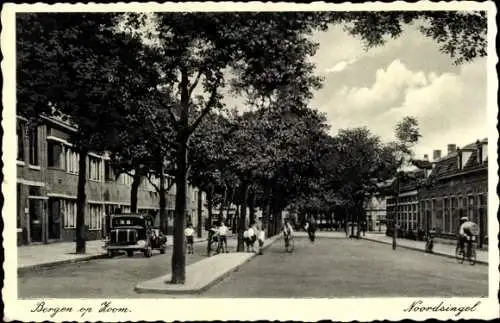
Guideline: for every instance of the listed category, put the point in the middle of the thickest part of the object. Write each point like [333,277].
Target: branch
[204,112]
[191,88]
[154,185]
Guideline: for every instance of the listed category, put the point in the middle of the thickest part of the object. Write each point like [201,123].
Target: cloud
[450,106]
[340,66]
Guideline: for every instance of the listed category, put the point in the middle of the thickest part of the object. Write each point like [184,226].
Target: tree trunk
[222,203]
[266,212]
[134,189]
[351,214]
[163,201]
[210,201]
[199,228]
[230,201]
[178,254]
[80,231]
[251,205]
[241,225]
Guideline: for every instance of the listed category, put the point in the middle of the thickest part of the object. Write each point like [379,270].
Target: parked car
[134,232]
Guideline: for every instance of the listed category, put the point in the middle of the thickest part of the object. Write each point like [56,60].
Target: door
[36,219]
[54,219]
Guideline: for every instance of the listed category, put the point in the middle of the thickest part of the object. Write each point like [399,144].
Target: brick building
[458,187]
[47,177]
[443,191]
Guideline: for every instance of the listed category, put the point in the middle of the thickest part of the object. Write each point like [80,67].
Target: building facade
[405,207]
[376,210]
[435,200]
[47,178]
[458,187]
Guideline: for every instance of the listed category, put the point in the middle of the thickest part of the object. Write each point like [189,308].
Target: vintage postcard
[250,161]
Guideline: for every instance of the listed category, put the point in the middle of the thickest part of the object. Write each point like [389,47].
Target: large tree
[77,66]
[264,50]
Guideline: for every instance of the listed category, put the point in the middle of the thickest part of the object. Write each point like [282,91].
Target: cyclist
[222,237]
[466,233]
[287,231]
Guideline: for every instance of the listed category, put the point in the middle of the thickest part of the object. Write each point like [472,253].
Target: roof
[448,165]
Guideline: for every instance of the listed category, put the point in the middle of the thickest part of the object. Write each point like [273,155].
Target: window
[71,161]
[447,219]
[471,211]
[34,191]
[19,209]
[56,156]
[454,214]
[95,216]
[33,147]
[108,171]
[94,168]
[20,141]
[69,207]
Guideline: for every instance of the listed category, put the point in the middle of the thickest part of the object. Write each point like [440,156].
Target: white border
[236,309]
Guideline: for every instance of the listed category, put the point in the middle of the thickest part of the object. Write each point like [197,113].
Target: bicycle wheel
[459,255]
[472,257]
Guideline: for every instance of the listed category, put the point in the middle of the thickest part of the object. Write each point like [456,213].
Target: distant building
[47,177]
[376,210]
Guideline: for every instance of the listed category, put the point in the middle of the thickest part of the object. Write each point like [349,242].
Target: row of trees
[148,89]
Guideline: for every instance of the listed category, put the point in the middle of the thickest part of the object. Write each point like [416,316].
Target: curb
[213,282]
[26,269]
[480,262]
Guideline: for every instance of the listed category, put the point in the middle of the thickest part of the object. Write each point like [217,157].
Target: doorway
[36,219]
[54,219]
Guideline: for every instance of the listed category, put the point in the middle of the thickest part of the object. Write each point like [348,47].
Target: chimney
[436,154]
[479,152]
[452,148]
[426,157]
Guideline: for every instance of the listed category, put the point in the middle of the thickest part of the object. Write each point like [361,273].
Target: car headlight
[141,243]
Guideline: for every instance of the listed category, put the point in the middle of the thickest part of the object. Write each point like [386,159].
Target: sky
[407,76]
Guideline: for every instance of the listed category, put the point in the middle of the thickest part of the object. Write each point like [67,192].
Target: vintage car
[134,232]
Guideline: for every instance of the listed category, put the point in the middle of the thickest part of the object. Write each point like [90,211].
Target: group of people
[253,233]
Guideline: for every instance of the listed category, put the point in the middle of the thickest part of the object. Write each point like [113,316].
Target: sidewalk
[441,249]
[48,255]
[202,274]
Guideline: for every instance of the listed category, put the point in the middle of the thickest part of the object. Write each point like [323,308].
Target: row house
[458,187]
[443,191]
[47,178]
[404,206]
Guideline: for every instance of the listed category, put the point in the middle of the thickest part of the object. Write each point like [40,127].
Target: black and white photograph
[238,161]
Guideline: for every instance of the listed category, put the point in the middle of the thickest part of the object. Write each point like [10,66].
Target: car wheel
[148,252]
[130,253]
[163,249]
[110,254]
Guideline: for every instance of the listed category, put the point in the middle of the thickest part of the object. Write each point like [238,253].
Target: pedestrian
[189,233]
[223,237]
[251,238]
[246,240]
[261,237]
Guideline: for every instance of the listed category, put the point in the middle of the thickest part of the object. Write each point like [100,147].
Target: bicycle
[460,253]
[289,243]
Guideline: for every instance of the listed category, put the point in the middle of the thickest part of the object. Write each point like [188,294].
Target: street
[331,267]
